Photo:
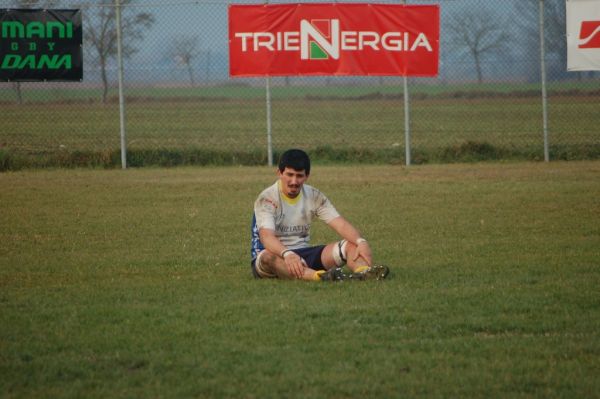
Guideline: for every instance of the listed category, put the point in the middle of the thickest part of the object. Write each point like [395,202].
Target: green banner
[38,45]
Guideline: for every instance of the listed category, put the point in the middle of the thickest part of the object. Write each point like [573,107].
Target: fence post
[543,77]
[406,117]
[121,97]
[269,125]
[269,129]
[406,122]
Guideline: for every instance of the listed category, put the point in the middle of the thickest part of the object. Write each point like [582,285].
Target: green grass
[136,284]
[511,125]
[241,89]
[68,126]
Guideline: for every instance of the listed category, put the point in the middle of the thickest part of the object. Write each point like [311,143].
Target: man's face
[292,181]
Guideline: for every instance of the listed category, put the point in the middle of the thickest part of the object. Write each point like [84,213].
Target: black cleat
[334,274]
[375,272]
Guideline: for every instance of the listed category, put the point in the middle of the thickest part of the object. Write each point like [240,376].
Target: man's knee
[338,253]
[265,264]
[268,258]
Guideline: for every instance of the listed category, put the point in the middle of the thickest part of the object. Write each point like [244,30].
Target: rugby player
[283,214]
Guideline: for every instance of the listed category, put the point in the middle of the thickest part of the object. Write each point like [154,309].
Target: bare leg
[329,262]
[275,264]
[359,263]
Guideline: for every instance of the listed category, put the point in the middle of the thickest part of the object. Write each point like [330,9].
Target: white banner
[583,35]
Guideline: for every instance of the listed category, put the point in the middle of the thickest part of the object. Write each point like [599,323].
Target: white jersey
[289,218]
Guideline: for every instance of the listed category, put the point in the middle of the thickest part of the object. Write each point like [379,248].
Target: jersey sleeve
[324,208]
[265,209]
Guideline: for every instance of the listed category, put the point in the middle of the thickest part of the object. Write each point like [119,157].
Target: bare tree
[184,51]
[29,4]
[527,12]
[100,34]
[476,33]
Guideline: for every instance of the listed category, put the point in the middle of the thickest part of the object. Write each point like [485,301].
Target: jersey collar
[291,201]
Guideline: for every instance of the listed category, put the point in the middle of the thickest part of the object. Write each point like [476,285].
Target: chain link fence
[182,107]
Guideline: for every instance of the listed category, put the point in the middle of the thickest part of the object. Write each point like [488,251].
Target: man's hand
[349,232]
[363,250]
[294,263]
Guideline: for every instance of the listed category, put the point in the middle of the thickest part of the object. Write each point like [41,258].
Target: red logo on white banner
[589,35]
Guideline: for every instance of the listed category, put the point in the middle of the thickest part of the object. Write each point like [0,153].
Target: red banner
[333,39]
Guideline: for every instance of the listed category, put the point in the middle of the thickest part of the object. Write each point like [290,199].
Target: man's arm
[348,232]
[293,261]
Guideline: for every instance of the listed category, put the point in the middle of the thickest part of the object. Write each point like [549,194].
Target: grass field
[136,283]
[514,125]
[67,125]
[58,91]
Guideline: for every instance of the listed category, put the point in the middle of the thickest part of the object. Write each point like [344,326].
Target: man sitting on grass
[283,214]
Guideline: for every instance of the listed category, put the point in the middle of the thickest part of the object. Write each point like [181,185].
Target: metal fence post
[269,129]
[121,97]
[406,122]
[269,124]
[406,117]
[543,77]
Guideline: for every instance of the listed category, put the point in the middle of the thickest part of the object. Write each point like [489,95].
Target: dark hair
[295,159]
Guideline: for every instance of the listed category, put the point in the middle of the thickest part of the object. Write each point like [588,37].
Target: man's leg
[270,265]
[343,252]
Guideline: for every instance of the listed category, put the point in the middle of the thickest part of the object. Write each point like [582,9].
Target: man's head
[293,170]
[295,159]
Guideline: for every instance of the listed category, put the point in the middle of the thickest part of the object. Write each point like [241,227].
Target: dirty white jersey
[290,218]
